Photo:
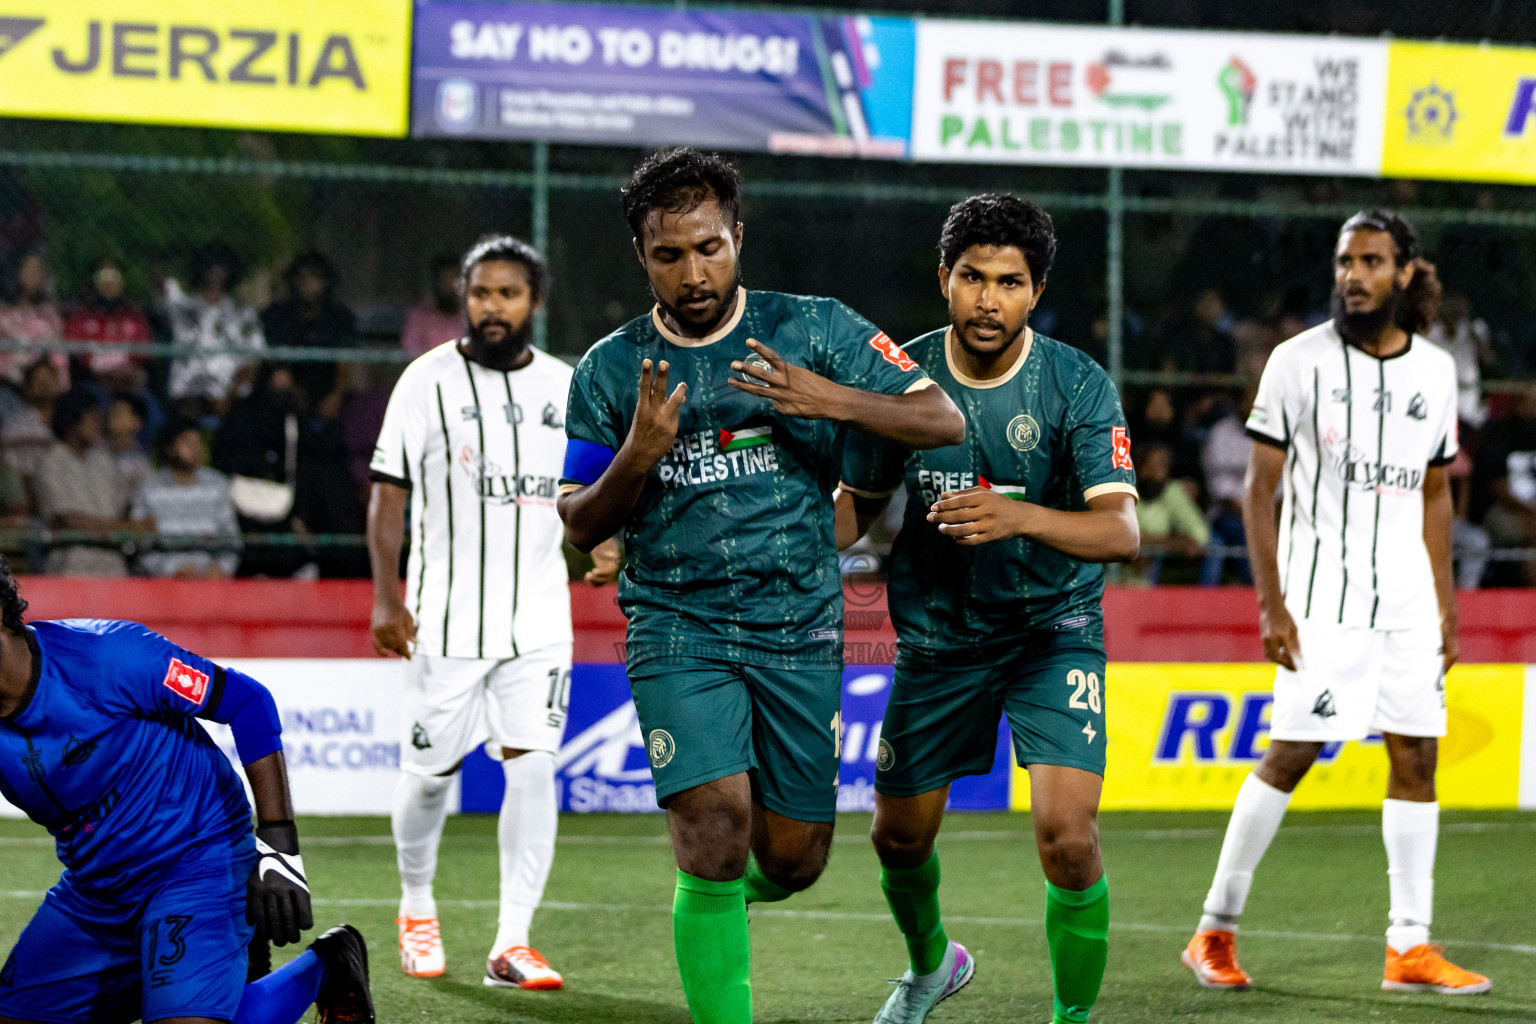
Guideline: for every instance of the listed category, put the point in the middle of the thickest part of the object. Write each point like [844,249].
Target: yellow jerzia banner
[1461,112]
[282,65]
[1183,737]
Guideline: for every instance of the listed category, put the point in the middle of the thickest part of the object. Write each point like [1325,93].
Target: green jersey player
[995,593]
[723,488]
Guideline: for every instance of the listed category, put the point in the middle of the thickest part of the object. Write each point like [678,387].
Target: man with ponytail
[1356,420]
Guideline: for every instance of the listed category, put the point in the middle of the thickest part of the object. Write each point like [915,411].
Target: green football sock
[760,888]
[1077,930]
[913,896]
[714,957]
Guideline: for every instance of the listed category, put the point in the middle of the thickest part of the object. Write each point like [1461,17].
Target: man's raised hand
[656,413]
[794,390]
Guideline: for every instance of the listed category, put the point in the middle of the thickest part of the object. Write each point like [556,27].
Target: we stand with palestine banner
[1034,94]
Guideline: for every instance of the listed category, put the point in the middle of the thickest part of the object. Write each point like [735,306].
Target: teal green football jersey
[1050,432]
[730,548]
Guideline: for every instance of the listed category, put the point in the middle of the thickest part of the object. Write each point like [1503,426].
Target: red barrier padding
[329,619]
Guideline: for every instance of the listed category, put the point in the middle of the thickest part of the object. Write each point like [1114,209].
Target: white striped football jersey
[1360,434]
[481,452]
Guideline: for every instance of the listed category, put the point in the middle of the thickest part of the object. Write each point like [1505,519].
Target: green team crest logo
[886,759]
[661,748]
[1023,432]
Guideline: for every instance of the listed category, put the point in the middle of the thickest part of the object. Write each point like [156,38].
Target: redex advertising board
[281,65]
[999,92]
[647,76]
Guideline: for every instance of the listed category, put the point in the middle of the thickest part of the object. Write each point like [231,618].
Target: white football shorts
[453,705]
[1351,682]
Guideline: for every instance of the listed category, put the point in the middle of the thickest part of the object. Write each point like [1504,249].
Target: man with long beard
[474,438]
[1357,418]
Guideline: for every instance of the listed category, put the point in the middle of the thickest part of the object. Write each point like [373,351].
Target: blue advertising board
[795,83]
[602,762]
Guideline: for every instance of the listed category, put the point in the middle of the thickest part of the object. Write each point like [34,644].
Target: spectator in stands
[106,316]
[1167,513]
[313,317]
[1200,340]
[258,440]
[187,499]
[1470,342]
[125,422]
[29,314]
[362,417]
[27,433]
[78,489]
[1224,461]
[1504,487]
[210,318]
[1469,542]
[1159,424]
[440,319]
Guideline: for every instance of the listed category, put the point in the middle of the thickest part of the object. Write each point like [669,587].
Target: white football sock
[1410,831]
[421,808]
[525,835]
[1256,817]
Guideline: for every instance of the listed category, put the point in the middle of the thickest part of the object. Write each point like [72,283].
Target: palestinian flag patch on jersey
[746,437]
[1014,491]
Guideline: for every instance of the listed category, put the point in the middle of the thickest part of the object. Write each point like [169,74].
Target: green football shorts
[941,721]
[704,719]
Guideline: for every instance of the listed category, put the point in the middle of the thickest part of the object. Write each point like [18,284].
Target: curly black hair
[1000,219]
[12,605]
[216,253]
[505,248]
[679,180]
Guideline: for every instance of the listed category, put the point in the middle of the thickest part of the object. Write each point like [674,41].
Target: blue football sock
[283,996]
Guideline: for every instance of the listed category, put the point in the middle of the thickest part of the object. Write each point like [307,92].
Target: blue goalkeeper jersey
[103,752]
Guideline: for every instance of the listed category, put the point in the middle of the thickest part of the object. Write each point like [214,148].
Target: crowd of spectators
[225,461]
[221,461]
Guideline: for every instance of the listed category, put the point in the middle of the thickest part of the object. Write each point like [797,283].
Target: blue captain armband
[585,462]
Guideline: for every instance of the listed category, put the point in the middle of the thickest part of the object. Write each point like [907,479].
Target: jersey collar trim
[712,337]
[37,673]
[1380,359]
[971,382]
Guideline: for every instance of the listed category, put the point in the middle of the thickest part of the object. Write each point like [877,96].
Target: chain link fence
[1178,282]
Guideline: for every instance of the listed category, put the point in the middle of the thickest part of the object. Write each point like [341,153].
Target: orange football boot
[1212,956]
[1424,968]
[421,947]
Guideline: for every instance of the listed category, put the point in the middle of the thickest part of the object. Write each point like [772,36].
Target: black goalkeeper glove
[277,894]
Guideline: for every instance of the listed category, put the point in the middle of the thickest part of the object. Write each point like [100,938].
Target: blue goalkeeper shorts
[179,950]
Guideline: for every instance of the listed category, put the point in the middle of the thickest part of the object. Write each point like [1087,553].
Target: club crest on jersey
[661,748]
[552,418]
[186,681]
[1418,409]
[892,352]
[1120,439]
[1023,432]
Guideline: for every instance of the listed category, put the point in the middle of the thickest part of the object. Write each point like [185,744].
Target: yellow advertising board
[1183,737]
[1460,112]
[283,65]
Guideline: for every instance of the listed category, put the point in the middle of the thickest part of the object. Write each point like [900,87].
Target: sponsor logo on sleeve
[1121,439]
[186,681]
[892,352]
